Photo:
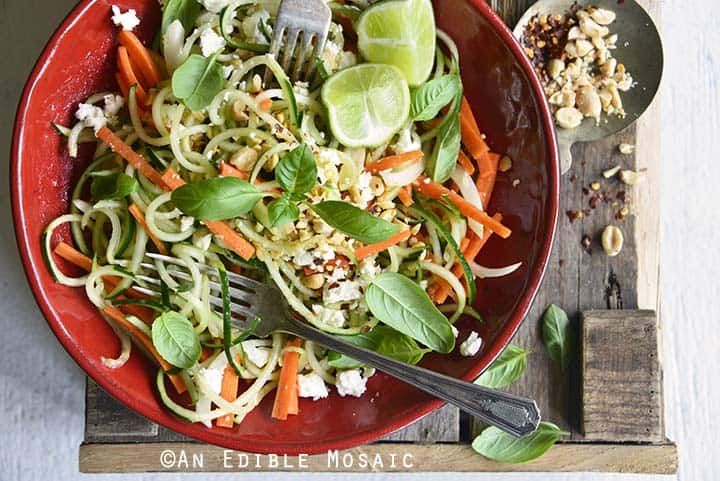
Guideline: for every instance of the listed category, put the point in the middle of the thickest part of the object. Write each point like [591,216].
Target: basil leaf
[282,211]
[113,186]
[499,446]
[506,369]
[368,340]
[187,11]
[355,222]
[441,163]
[176,340]
[430,97]
[197,81]
[558,335]
[384,340]
[403,305]
[218,198]
[297,172]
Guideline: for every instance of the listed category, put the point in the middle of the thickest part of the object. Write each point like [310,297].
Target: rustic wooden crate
[584,401]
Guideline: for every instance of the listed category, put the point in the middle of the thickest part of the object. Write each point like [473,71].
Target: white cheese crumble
[113,104]
[331,317]
[91,116]
[311,385]
[127,21]
[214,6]
[337,274]
[212,377]
[364,191]
[344,292]
[210,42]
[368,268]
[254,354]
[251,26]
[351,383]
[186,222]
[471,345]
[327,162]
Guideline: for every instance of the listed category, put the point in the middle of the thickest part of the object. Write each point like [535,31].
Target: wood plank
[621,377]
[188,457]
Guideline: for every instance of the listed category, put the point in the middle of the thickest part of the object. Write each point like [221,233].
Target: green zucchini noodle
[243,117]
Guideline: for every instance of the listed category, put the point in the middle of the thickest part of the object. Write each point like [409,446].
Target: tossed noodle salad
[361,194]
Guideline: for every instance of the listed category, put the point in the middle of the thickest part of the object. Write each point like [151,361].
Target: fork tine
[289,48]
[233,277]
[302,57]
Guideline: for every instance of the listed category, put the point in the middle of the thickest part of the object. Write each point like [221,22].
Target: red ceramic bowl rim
[31,266]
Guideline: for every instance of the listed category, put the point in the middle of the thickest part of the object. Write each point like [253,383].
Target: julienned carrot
[372,249]
[124,86]
[227,170]
[126,152]
[140,57]
[286,398]
[146,344]
[470,132]
[222,231]
[228,391]
[394,160]
[140,218]
[437,191]
[465,163]
[405,196]
[470,253]
[125,69]
[488,165]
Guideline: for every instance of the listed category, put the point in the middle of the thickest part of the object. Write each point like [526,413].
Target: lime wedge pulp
[400,33]
[367,104]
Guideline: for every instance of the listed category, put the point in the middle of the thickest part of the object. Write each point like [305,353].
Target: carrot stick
[127,153]
[124,87]
[146,343]
[488,165]
[140,218]
[405,196]
[141,57]
[227,170]
[372,249]
[465,163]
[393,160]
[286,398]
[470,132]
[437,191]
[228,392]
[128,75]
[222,231]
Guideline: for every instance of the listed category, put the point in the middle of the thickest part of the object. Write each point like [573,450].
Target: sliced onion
[404,176]
[482,272]
[173,42]
[469,191]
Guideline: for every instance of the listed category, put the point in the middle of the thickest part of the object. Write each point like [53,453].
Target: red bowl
[509,103]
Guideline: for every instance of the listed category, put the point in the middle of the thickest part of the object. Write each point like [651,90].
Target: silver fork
[306,22]
[251,299]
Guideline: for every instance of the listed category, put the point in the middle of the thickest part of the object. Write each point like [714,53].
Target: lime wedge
[367,104]
[400,33]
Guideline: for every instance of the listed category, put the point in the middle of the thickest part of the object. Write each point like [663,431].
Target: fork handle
[513,414]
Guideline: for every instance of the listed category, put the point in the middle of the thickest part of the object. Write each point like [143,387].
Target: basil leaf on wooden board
[558,335]
[355,222]
[499,446]
[187,11]
[428,99]
[442,162]
[297,171]
[405,306]
[197,81]
[218,198]
[175,339]
[506,369]
[282,211]
[113,186]
[384,340]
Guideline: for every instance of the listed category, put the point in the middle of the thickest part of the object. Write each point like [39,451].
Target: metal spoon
[639,48]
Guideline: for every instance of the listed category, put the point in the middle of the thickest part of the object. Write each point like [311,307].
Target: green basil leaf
[442,162]
[187,11]
[355,222]
[218,198]
[297,171]
[368,340]
[428,99]
[384,340]
[197,81]
[176,340]
[282,211]
[499,446]
[113,186]
[506,369]
[403,305]
[558,335]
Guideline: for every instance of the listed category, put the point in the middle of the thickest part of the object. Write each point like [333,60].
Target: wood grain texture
[621,377]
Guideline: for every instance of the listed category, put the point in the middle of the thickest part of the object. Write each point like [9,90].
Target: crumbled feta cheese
[304,258]
[331,317]
[210,42]
[327,162]
[113,104]
[91,116]
[212,377]
[364,191]
[127,21]
[368,268]
[337,274]
[254,354]
[471,345]
[214,6]
[351,383]
[324,252]
[186,222]
[311,385]
[251,26]
[343,292]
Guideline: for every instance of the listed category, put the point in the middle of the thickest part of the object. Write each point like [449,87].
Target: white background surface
[41,388]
